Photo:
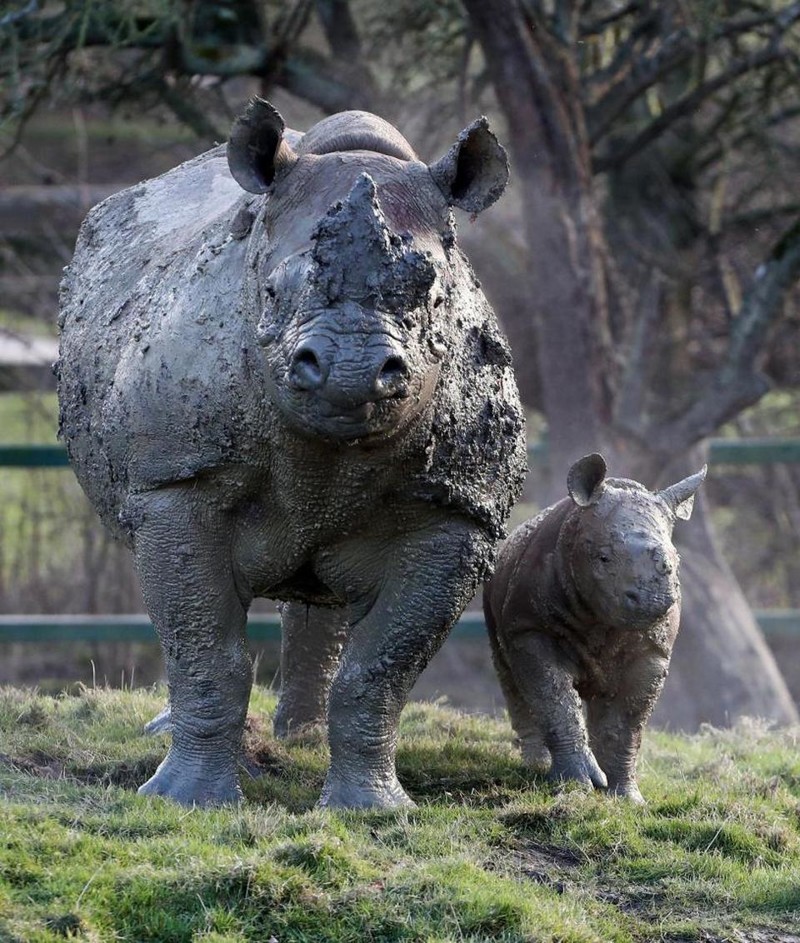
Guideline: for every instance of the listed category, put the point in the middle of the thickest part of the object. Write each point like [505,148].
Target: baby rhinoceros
[584,606]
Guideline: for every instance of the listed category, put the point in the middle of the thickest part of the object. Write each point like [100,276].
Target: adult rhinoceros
[278,377]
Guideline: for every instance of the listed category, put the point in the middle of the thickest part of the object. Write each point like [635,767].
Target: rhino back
[526,586]
[152,335]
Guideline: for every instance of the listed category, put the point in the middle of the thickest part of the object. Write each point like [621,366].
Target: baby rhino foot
[349,793]
[629,791]
[580,766]
[191,783]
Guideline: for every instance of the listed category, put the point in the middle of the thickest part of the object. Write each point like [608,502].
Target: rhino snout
[367,374]
[657,600]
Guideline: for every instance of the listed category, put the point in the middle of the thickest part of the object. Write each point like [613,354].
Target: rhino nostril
[306,371]
[631,597]
[392,376]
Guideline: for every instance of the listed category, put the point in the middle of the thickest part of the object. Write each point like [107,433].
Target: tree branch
[738,383]
[601,25]
[687,104]
[673,52]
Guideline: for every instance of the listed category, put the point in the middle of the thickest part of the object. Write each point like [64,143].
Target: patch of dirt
[550,865]
[264,760]
[126,775]
[764,936]
[36,764]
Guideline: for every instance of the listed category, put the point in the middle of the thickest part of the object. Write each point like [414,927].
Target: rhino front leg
[525,722]
[182,548]
[310,649]
[616,725]
[424,585]
[546,684]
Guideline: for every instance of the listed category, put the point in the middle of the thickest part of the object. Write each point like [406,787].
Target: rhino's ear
[474,172]
[680,496]
[256,147]
[586,479]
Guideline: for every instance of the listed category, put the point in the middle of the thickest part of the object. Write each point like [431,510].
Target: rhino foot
[580,766]
[193,783]
[341,793]
[629,791]
[161,723]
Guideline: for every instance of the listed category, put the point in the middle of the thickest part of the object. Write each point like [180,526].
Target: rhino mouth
[645,605]
[320,416]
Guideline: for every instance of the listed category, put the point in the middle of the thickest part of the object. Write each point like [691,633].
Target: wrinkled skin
[584,607]
[294,390]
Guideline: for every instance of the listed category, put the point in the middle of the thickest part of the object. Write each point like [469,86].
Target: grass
[42,510]
[491,853]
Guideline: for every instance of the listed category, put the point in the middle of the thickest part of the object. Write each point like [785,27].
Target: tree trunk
[538,85]
[722,668]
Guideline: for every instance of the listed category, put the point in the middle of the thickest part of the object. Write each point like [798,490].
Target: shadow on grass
[456,772]
[291,773]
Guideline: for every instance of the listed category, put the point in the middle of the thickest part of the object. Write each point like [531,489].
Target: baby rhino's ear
[586,479]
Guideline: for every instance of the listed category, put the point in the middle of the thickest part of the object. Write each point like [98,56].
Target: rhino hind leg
[526,725]
[546,687]
[161,723]
[200,618]
[311,645]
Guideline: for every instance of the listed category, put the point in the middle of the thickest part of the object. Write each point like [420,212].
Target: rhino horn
[256,148]
[680,496]
[358,256]
[474,172]
[586,479]
[356,219]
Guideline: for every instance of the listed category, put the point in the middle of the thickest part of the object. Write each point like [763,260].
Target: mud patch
[549,865]
[125,775]
[36,764]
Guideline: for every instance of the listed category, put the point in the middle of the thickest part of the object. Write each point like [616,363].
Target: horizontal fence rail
[260,628]
[263,628]
[720,452]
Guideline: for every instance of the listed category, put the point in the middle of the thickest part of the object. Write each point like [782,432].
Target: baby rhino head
[622,559]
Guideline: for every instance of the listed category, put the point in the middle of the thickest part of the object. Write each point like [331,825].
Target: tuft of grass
[490,853]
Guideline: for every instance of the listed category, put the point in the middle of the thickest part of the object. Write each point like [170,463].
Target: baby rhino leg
[525,722]
[616,724]
[545,685]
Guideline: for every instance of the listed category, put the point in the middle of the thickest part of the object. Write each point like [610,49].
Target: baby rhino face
[626,565]
[622,559]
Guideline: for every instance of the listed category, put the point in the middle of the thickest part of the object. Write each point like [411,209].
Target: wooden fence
[129,628]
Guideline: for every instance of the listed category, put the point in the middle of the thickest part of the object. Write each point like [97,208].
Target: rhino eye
[604,556]
[439,301]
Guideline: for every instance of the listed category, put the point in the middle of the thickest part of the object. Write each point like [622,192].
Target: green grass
[28,418]
[491,853]
[42,510]
[24,324]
